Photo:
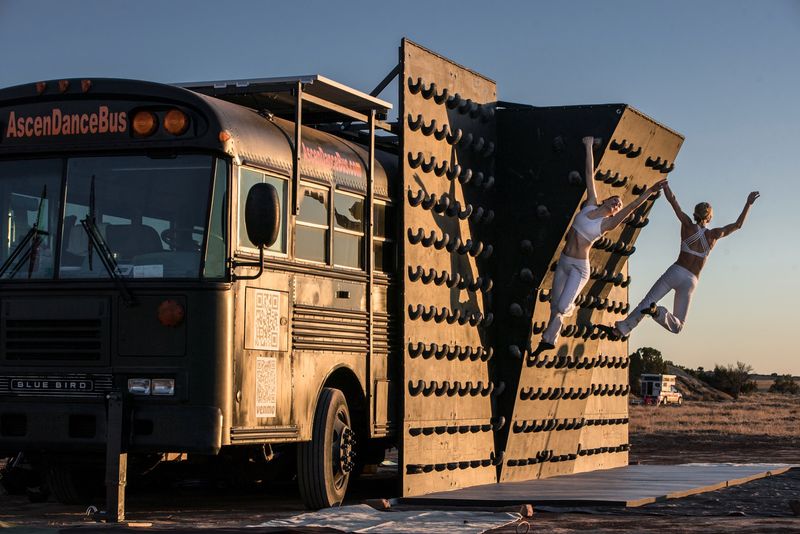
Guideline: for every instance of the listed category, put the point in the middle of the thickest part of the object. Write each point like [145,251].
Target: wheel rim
[342,445]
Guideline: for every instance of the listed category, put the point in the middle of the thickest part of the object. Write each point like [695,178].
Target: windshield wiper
[34,236]
[96,241]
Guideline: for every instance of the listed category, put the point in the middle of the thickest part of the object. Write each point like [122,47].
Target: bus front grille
[53,339]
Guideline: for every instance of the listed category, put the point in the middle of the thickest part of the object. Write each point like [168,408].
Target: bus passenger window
[312,224]
[383,240]
[247,179]
[348,235]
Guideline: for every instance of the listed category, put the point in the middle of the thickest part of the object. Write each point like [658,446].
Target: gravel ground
[193,504]
[758,506]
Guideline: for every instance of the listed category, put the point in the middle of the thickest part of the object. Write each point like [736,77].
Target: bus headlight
[139,386]
[145,123]
[163,386]
[176,122]
[151,386]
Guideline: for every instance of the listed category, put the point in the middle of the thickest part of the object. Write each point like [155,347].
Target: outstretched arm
[609,223]
[591,194]
[685,219]
[730,228]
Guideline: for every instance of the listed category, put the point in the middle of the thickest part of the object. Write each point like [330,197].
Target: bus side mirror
[262,215]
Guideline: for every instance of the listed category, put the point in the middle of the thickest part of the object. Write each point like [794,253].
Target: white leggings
[571,275]
[683,282]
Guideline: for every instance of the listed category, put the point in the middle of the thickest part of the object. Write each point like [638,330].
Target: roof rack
[288,97]
[322,99]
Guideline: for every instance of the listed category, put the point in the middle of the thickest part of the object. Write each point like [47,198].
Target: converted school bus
[126,266]
[182,270]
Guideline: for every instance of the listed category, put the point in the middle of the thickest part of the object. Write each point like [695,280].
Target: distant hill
[694,389]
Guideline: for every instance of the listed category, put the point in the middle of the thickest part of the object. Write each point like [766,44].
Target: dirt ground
[759,429]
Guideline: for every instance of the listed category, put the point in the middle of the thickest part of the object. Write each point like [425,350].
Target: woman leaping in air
[696,243]
[572,273]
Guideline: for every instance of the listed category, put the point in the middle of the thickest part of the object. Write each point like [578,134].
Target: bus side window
[348,233]
[383,242]
[247,179]
[311,242]
[214,265]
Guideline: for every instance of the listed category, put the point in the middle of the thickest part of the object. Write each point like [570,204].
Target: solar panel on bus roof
[275,94]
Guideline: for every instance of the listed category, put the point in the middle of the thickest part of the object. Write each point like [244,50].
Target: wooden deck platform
[633,485]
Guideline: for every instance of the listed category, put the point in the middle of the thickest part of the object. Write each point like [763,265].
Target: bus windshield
[145,216]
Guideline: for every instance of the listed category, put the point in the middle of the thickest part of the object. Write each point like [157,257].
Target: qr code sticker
[266,381]
[267,320]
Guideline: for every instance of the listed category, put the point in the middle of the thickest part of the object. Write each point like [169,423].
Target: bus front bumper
[71,426]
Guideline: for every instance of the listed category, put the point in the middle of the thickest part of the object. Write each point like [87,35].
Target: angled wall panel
[570,410]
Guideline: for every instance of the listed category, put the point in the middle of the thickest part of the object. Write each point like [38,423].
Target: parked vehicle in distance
[660,389]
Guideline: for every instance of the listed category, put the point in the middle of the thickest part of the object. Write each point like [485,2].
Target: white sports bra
[589,229]
[699,237]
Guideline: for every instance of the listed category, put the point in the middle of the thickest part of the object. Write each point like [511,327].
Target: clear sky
[726,74]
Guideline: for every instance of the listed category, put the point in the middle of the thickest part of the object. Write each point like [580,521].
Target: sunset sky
[725,74]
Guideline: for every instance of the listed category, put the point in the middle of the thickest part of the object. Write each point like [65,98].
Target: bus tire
[69,486]
[324,463]
[12,481]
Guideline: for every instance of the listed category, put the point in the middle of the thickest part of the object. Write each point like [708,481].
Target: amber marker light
[170,313]
[176,122]
[225,136]
[145,123]
[63,85]
[86,85]
[40,87]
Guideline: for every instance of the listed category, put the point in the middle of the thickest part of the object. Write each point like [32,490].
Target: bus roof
[257,137]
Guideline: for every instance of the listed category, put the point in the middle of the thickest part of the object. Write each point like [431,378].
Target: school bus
[176,278]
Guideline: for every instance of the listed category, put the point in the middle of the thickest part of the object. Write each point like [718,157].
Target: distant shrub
[785,384]
[732,379]
[696,373]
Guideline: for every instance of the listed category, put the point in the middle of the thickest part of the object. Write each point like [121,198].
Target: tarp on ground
[363,518]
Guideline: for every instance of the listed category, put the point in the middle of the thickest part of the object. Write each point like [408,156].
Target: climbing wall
[479,256]
[448,147]
[568,407]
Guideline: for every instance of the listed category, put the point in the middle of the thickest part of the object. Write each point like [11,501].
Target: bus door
[262,373]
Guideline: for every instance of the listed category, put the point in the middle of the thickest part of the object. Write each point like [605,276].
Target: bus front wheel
[324,463]
[74,484]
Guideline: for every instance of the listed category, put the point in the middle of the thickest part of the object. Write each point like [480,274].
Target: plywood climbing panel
[448,149]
